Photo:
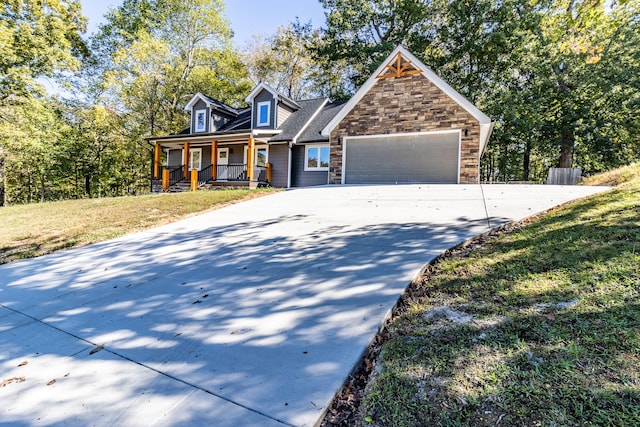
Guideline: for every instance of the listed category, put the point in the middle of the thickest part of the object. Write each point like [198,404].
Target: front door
[223,162]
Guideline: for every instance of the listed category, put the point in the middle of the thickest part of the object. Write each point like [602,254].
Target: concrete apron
[249,315]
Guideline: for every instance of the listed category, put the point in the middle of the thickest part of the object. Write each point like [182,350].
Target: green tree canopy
[156,54]
[38,39]
[560,77]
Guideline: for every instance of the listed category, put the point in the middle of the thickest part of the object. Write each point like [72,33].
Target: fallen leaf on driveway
[52,382]
[12,380]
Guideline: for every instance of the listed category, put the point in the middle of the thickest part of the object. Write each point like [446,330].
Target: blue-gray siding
[302,178]
[236,154]
[279,159]
[263,96]
[174,158]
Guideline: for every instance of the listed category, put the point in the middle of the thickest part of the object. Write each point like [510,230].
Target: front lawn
[41,228]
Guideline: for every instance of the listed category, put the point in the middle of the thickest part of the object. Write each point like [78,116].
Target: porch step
[211,185]
[180,186]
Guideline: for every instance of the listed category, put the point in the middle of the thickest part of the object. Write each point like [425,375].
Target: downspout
[290,145]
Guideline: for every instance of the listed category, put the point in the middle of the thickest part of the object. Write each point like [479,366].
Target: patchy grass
[38,229]
[627,174]
[539,326]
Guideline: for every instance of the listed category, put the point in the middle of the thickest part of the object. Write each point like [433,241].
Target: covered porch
[200,162]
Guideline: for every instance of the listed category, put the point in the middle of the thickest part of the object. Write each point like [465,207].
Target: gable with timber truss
[399,66]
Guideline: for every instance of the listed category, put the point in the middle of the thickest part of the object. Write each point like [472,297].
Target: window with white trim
[195,161]
[201,120]
[264,113]
[316,158]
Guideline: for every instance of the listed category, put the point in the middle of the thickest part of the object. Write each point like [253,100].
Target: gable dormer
[208,114]
[269,109]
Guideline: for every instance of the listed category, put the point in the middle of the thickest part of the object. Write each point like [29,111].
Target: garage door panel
[422,158]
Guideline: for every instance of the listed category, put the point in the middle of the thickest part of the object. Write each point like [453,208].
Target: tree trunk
[42,189]
[77,184]
[526,161]
[87,185]
[30,200]
[566,149]
[4,201]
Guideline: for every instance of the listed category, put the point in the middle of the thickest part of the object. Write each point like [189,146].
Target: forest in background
[559,77]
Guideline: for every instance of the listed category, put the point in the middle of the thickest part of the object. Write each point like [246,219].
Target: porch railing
[205,175]
[232,172]
[176,175]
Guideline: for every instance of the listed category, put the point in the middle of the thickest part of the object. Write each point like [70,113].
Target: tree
[29,146]
[558,76]
[178,48]
[38,39]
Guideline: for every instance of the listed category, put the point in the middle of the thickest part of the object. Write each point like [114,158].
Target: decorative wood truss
[399,67]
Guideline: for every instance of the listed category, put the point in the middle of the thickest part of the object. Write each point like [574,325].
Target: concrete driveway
[249,315]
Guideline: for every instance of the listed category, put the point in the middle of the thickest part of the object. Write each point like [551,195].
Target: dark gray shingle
[312,132]
[298,119]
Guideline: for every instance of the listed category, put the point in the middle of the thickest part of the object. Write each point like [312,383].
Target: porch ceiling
[178,141]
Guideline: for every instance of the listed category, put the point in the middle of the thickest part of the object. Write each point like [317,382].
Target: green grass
[555,335]
[38,229]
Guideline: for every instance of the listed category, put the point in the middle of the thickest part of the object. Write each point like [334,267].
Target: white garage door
[420,158]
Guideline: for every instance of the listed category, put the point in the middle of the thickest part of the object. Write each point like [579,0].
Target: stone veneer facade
[404,105]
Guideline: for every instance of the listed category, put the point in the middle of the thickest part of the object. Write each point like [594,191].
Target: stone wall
[404,105]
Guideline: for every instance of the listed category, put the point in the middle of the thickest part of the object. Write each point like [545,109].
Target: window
[316,158]
[195,155]
[201,120]
[264,113]
[261,157]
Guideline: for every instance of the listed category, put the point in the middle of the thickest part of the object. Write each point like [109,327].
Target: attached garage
[402,159]
[406,125]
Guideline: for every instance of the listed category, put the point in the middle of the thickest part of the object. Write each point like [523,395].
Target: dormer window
[264,113]
[201,120]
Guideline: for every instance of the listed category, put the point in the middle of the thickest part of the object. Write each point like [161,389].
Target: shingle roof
[242,122]
[305,123]
[222,106]
[298,119]
[313,132]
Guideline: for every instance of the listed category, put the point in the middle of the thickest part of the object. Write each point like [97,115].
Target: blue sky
[247,17]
